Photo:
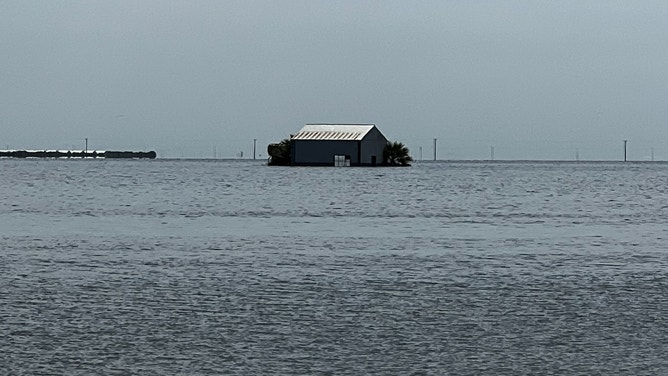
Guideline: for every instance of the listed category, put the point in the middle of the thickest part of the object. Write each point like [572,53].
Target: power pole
[625,150]
[434,149]
[254,146]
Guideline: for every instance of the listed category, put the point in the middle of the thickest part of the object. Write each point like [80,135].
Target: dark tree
[279,153]
[396,154]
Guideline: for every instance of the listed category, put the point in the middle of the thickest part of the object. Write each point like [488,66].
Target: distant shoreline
[77,154]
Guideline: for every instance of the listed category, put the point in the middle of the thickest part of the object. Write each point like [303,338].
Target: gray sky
[534,79]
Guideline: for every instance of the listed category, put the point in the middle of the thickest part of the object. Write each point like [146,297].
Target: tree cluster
[279,153]
[396,154]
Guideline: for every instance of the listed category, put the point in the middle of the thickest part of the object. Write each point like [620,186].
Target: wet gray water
[233,267]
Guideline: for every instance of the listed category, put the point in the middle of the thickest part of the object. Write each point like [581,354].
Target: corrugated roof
[342,132]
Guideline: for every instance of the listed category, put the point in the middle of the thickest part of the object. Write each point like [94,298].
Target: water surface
[233,267]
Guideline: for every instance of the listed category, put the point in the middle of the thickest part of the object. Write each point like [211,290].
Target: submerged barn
[337,145]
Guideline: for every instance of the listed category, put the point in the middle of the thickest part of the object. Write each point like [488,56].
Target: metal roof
[339,132]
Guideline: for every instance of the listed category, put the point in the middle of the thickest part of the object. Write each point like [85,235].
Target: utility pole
[86,150]
[434,149]
[420,152]
[625,150]
[254,146]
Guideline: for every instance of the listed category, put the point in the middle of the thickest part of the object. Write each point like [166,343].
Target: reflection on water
[209,267]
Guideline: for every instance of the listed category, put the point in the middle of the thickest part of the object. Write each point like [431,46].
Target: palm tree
[396,154]
[279,153]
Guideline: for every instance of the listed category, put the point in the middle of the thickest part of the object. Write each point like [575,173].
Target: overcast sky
[533,79]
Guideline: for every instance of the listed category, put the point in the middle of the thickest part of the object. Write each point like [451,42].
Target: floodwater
[232,267]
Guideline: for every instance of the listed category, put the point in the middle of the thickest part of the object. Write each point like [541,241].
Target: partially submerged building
[337,145]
